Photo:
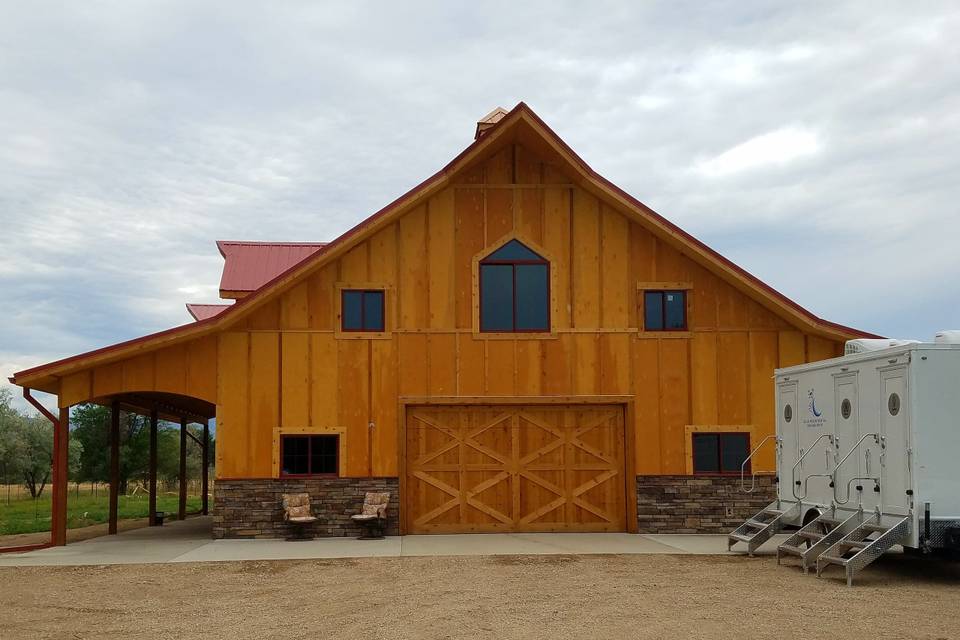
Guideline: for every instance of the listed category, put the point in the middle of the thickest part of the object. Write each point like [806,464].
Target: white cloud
[775,148]
[132,137]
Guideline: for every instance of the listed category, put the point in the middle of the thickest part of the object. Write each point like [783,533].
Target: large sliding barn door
[514,468]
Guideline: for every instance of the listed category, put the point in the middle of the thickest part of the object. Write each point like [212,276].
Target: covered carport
[169,380]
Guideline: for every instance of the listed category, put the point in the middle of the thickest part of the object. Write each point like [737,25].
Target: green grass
[25,515]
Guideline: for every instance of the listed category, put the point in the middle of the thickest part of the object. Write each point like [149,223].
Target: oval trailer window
[845,409]
[788,413]
[893,404]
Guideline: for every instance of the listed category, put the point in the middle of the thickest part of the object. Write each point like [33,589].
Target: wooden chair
[373,515]
[296,511]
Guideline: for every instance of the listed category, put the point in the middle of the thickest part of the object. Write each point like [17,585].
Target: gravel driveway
[649,596]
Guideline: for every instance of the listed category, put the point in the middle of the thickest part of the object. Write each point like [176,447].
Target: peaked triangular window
[514,251]
[514,290]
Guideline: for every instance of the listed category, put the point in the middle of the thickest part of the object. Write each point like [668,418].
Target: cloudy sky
[814,143]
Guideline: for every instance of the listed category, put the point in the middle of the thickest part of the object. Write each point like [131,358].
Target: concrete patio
[189,541]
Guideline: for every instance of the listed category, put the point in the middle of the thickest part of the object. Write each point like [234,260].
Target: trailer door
[847,427]
[788,417]
[894,427]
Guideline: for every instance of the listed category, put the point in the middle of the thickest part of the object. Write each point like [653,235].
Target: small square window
[720,453]
[665,310]
[309,455]
[362,310]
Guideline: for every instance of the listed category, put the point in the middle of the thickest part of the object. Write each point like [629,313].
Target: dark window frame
[663,309]
[513,264]
[310,436]
[363,311]
[719,435]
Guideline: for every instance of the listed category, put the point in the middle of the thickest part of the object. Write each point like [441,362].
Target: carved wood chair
[296,511]
[373,515]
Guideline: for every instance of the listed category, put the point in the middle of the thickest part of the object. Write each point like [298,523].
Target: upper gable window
[362,310]
[665,310]
[514,290]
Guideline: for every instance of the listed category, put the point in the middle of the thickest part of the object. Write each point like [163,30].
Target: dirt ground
[642,596]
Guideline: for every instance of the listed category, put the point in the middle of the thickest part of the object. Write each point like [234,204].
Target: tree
[36,453]
[26,446]
[10,422]
[91,427]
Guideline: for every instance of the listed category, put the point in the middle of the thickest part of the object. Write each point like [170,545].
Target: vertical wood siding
[283,366]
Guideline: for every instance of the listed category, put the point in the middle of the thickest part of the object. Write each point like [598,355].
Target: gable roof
[250,265]
[204,311]
[519,124]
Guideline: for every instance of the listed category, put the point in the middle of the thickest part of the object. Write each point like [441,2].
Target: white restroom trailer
[868,455]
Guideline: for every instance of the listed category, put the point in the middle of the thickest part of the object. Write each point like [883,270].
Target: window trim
[310,436]
[302,430]
[763,466]
[363,309]
[548,332]
[663,310]
[719,435]
[389,311]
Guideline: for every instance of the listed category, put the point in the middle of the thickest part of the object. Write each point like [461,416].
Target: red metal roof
[204,311]
[250,265]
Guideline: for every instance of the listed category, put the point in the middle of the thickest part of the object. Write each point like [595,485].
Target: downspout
[56,427]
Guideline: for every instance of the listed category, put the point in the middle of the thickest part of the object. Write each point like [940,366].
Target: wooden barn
[514,345]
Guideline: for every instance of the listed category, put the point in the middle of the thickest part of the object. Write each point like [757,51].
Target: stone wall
[252,508]
[698,504]
[665,504]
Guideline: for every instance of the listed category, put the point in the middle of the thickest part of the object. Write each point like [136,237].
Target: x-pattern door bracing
[508,468]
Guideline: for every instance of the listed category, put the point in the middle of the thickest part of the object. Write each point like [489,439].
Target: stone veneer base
[698,504]
[252,508]
[665,504]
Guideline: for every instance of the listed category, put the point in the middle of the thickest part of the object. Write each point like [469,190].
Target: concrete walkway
[189,541]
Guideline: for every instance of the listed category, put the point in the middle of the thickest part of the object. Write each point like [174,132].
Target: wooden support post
[114,467]
[61,444]
[182,512]
[152,471]
[204,479]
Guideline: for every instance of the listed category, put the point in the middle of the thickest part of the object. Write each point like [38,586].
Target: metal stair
[868,541]
[761,527]
[815,537]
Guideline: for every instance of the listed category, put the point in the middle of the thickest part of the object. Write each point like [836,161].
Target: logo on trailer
[815,418]
[813,405]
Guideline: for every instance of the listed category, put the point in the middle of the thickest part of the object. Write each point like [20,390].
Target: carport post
[114,466]
[182,512]
[204,479]
[61,443]
[153,469]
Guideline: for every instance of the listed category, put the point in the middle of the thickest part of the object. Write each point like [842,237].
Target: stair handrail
[836,469]
[793,470]
[806,479]
[850,482]
[743,466]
